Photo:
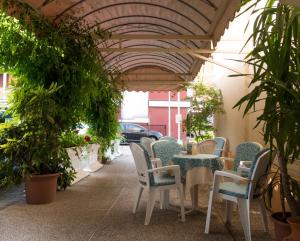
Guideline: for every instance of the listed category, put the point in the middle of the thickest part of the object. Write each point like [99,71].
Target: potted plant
[30,146]
[276,64]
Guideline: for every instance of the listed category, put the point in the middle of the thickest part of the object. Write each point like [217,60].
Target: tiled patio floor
[98,208]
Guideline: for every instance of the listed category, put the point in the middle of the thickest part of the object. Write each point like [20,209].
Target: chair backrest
[146,142]
[246,151]
[259,172]
[220,146]
[142,163]
[206,147]
[165,150]
[168,138]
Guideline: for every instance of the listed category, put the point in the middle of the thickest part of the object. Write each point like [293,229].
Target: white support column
[4,86]
[169,114]
[178,113]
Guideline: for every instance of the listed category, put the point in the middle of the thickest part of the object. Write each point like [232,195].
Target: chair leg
[150,205]
[243,205]
[264,214]
[136,204]
[208,215]
[181,196]
[161,197]
[166,199]
[228,212]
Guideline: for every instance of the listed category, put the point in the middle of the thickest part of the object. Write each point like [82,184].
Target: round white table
[198,171]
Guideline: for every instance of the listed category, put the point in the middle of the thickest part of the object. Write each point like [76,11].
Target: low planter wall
[84,160]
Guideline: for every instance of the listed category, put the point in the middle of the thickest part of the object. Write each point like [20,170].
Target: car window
[134,128]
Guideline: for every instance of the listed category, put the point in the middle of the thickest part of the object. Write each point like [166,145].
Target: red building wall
[159,115]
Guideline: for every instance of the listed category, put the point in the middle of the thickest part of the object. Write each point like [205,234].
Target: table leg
[194,196]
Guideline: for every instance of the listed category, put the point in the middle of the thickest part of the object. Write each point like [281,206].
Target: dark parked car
[133,132]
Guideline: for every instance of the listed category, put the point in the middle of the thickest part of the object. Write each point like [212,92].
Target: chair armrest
[232,175]
[243,169]
[174,168]
[246,163]
[223,158]
[164,168]
[228,163]
[156,162]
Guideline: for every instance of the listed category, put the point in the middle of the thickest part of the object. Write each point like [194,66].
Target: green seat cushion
[163,179]
[234,189]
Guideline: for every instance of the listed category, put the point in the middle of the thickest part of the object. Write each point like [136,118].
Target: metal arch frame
[149,24]
[128,72]
[149,54]
[146,4]
[164,55]
[121,55]
[137,3]
[196,10]
[166,42]
[146,65]
[158,58]
[149,45]
[208,2]
[152,31]
[140,16]
[67,9]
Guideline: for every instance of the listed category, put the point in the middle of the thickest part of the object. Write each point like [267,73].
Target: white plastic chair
[221,146]
[242,190]
[206,147]
[146,142]
[154,179]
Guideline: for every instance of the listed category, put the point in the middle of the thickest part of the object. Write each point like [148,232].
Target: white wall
[232,124]
[135,106]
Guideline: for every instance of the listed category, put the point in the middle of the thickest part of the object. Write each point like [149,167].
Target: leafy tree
[205,102]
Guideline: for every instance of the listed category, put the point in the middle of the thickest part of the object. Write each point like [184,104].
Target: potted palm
[276,81]
[30,146]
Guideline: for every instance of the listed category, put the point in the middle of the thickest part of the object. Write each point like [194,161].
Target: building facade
[163,111]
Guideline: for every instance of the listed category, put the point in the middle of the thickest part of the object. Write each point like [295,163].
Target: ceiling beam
[237,71]
[159,37]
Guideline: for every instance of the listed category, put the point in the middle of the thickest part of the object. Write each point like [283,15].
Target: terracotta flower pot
[41,189]
[281,228]
[295,226]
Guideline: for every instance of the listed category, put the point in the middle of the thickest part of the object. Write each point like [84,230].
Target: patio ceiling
[155,44]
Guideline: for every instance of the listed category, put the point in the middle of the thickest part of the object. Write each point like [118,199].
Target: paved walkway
[98,208]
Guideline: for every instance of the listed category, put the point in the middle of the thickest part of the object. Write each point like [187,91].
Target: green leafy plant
[60,80]
[32,144]
[276,64]
[205,102]
[72,139]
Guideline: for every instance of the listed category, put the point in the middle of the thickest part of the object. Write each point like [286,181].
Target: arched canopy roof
[156,38]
